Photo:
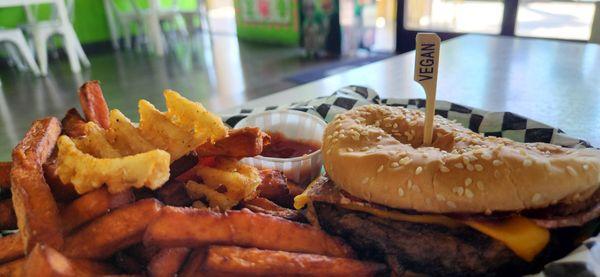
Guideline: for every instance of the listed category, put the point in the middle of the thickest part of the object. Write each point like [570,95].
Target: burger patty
[425,248]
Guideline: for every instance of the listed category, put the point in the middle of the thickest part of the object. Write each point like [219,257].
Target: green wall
[90,17]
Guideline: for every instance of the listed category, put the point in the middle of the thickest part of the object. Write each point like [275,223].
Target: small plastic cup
[293,125]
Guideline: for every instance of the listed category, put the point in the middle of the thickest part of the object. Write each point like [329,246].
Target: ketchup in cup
[295,147]
[284,147]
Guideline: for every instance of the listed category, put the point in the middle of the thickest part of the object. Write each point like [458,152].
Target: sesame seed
[395,125]
[586,167]
[380,146]
[364,148]
[440,197]
[334,140]
[497,162]
[329,151]
[380,168]
[350,149]
[365,180]
[394,165]
[400,192]
[480,185]
[356,137]
[444,169]
[536,198]
[412,123]
[468,182]
[571,171]
[527,162]
[405,161]
[470,167]
[409,184]
[478,167]
[486,156]
[458,190]
[451,204]
[342,136]
[418,170]
[459,165]
[329,136]
[469,193]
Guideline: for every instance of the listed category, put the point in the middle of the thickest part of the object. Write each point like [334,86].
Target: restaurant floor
[218,70]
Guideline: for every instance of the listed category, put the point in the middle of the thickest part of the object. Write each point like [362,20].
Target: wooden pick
[426,73]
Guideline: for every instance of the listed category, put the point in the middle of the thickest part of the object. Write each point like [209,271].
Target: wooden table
[555,82]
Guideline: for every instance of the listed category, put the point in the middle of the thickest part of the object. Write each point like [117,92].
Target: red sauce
[283,147]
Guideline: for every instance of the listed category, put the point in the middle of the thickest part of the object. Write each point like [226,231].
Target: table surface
[554,82]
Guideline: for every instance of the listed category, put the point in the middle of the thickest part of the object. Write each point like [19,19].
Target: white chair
[19,44]
[61,25]
[148,21]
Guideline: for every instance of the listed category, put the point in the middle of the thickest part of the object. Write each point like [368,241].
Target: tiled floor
[216,70]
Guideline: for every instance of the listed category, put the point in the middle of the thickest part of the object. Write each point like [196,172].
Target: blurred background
[224,53]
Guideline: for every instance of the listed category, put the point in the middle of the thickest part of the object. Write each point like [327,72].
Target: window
[555,19]
[455,16]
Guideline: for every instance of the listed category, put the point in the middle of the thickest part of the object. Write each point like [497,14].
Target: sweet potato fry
[244,142]
[11,248]
[46,261]
[173,193]
[113,232]
[75,214]
[93,104]
[92,205]
[73,124]
[274,187]
[195,228]
[5,175]
[233,261]
[8,220]
[265,206]
[62,192]
[35,208]
[183,164]
[167,262]
[294,189]
[194,263]
[14,268]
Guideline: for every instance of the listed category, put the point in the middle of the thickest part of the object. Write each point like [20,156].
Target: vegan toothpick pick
[426,73]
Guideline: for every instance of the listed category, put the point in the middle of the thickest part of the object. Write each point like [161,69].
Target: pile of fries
[97,195]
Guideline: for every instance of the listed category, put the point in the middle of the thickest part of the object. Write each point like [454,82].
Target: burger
[464,205]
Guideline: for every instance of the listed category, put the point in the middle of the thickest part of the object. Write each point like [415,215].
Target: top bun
[375,153]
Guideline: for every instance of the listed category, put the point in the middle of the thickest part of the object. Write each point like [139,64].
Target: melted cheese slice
[519,234]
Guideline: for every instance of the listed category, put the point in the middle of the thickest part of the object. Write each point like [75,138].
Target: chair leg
[71,50]
[13,54]
[41,51]
[26,54]
[112,26]
[127,35]
[79,49]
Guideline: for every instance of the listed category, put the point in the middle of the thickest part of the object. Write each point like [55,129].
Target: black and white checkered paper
[583,261]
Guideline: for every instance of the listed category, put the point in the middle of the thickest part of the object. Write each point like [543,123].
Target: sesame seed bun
[374,152]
